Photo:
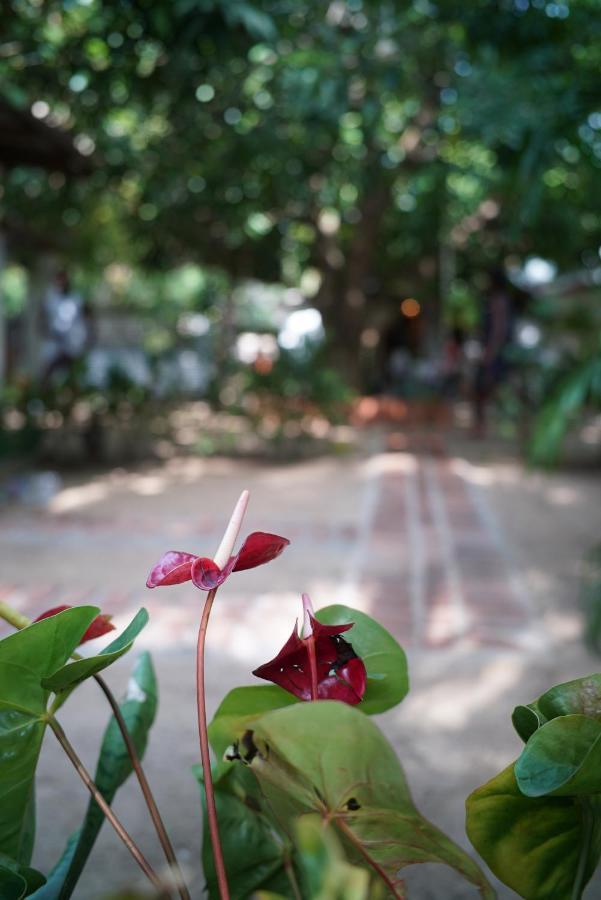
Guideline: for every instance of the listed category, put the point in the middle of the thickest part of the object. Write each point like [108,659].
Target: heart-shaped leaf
[27,657]
[138,708]
[73,673]
[563,757]
[330,759]
[384,658]
[544,848]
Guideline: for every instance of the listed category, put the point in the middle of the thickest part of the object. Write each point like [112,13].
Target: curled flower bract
[176,567]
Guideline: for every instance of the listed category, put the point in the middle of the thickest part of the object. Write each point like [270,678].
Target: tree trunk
[348,281]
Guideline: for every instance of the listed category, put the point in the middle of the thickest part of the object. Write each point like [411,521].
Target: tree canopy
[362,151]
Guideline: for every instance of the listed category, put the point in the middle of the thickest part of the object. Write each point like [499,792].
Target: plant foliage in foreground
[538,824]
[305,798]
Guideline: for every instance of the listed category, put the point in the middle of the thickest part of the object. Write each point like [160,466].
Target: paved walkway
[469,561]
[404,536]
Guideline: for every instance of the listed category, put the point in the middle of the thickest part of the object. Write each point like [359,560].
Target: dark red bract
[341,673]
[175,567]
[100,626]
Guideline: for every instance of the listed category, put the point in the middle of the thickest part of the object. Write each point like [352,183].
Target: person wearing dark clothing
[496,334]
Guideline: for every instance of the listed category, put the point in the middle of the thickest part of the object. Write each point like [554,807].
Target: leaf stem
[588,822]
[341,824]
[104,806]
[205,754]
[146,790]
[312,666]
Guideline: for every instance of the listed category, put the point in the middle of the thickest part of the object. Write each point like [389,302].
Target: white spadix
[226,547]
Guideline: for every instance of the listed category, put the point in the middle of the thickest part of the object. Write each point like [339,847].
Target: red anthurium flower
[340,672]
[100,626]
[174,568]
[207,574]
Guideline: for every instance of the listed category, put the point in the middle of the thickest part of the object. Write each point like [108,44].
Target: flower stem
[146,791]
[19,621]
[312,666]
[104,806]
[205,755]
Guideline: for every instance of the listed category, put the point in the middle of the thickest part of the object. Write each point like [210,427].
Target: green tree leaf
[328,758]
[384,658]
[26,657]
[73,673]
[535,845]
[114,766]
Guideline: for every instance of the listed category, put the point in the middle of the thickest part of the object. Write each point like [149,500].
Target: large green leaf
[563,757]
[330,759]
[384,658]
[239,709]
[257,854]
[138,708]
[534,845]
[74,672]
[26,657]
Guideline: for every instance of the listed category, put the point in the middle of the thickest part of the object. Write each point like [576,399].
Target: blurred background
[346,254]
[278,208]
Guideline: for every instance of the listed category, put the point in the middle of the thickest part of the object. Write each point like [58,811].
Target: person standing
[496,334]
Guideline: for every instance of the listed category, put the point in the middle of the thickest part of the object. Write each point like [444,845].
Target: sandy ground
[100,535]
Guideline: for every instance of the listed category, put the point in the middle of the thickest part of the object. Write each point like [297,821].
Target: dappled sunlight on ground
[77,497]
[458,698]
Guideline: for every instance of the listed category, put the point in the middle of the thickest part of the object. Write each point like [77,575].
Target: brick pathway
[417,545]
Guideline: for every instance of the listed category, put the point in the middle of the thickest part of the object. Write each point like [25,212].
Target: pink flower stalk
[336,672]
[208,575]
[100,626]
